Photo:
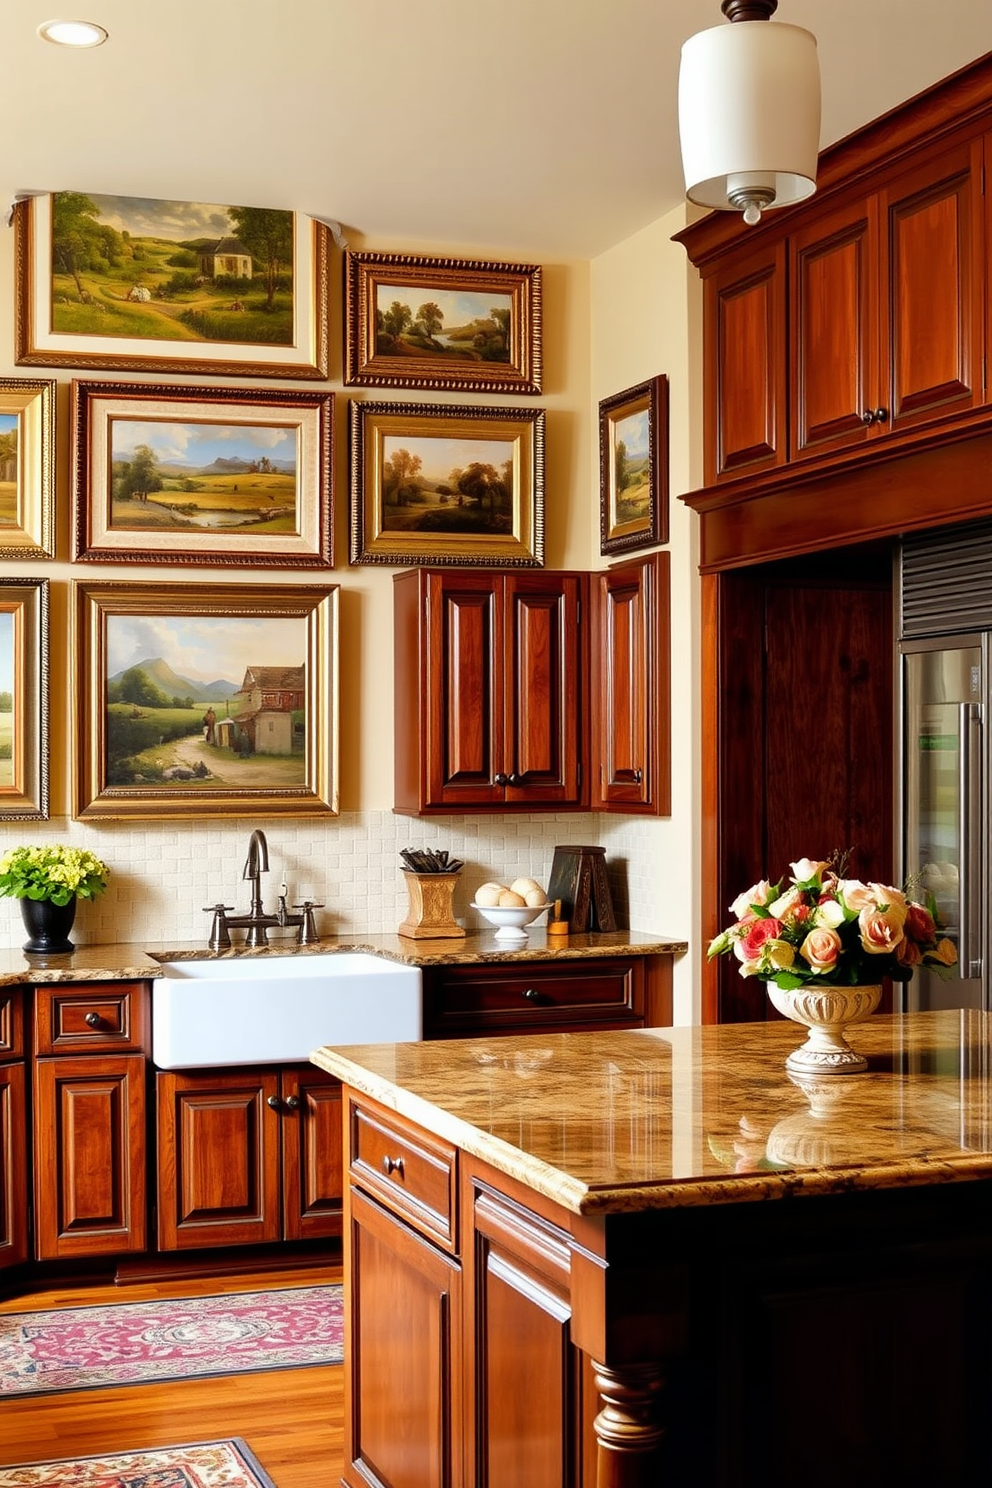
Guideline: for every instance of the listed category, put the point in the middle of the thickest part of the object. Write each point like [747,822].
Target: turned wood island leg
[629,1428]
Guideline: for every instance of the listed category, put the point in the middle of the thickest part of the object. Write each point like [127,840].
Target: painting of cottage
[270,720]
[227,256]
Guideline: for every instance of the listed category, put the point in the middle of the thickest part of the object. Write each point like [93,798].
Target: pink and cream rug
[131,1343]
[216,1464]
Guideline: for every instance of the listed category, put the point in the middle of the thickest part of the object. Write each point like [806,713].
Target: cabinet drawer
[493,999]
[412,1174]
[99,1017]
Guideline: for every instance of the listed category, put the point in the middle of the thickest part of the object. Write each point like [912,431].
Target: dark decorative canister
[48,925]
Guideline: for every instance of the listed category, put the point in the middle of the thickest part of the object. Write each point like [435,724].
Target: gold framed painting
[24,689]
[446,484]
[201,700]
[633,467]
[442,323]
[146,285]
[27,468]
[206,475]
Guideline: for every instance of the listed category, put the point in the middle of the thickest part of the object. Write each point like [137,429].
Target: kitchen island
[601,1260]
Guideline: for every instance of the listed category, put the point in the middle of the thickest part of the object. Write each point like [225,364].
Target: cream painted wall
[645,311]
[164,873]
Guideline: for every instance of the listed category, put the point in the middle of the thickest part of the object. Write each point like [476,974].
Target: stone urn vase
[826,1012]
[48,925]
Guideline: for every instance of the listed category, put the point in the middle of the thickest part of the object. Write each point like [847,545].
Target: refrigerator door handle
[969,927]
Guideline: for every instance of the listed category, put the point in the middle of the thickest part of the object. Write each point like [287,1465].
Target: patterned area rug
[217,1464]
[131,1343]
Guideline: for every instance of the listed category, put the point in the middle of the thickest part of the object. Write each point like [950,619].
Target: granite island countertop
[659,1118]
[125,962]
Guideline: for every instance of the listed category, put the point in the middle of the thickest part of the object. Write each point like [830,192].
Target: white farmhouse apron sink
[278,1009]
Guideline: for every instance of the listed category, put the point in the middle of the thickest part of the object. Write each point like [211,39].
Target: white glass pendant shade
[749,116]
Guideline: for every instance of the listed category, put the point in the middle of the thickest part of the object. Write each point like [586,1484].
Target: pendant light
[749,112]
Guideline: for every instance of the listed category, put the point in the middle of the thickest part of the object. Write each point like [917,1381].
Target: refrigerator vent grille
[946,582]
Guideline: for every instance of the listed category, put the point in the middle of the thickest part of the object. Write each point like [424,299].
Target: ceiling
[527,128]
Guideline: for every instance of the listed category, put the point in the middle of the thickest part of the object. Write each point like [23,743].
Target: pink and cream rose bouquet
[825,929]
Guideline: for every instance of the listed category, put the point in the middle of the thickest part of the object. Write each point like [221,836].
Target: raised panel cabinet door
[403,1413]
[89,1156]
[744,365]
[525,1426]
[834,330]
[218,1159]
[933,276]
[463,690]
[630,667]
[543,688]
[13,1165]
[312,1167]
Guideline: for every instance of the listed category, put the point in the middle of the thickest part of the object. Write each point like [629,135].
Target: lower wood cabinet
[90,1046]
[13,1131]
[247,1156]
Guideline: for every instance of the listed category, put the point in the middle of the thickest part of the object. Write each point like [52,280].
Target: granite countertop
[126,962]
[657,1118]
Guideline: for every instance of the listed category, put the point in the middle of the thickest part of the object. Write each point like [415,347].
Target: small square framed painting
[199,700]
[446,483]
[633,468]
[27,468]
[147,285]
[442,323]
[24,691]
[207,475]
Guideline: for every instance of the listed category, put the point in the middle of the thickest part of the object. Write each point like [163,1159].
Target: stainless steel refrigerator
[945,836]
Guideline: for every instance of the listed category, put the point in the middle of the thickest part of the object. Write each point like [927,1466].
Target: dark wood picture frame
[494,349]
[643,521]
[247,437]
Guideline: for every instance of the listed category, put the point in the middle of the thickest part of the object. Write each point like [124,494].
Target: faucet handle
[220,935]
[308,929]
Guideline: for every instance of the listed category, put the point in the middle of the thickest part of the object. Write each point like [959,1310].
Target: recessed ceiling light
[73,33]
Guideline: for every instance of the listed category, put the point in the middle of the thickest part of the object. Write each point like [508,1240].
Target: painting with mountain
[203,475]
[633,467]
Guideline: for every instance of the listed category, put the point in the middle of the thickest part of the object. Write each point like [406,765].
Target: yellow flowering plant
[54,873]
[829,930]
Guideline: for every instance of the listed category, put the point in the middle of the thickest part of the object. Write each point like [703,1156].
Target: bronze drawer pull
[532,995]
[391,1165]
[291,1102]
[93,1019]
[273,1101]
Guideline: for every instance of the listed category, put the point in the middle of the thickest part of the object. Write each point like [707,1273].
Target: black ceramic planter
[48,925]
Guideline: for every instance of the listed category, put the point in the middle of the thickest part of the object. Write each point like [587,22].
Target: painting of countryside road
[8,469]
[183,474]
[171,270]
[209,702]
[464,325]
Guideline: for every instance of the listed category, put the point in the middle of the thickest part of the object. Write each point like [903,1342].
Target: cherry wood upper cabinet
[489,671]
[744,320]
[631,664]
[886,299]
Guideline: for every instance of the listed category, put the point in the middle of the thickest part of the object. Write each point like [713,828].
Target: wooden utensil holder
[430,915]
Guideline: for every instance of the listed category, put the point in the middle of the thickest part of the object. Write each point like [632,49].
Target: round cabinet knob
[515,779]
[638,776]
[881,414]
[273,1101]
[391,1165]
[93,1020]
[292,1102]
[868,417]
[500,779]
[532,995]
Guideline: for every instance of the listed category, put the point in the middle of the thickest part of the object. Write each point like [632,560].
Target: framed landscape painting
[206,475]
[23,699]
[633,468]
[446,483]
[27,468]
[442,323]
[200,700]
[147,285]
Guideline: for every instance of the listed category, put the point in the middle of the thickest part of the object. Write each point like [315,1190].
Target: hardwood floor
[292,1419]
